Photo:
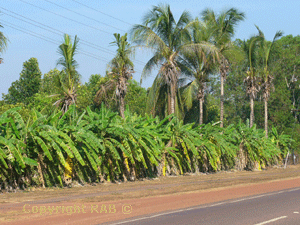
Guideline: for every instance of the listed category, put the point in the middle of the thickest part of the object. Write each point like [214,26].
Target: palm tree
[252,80]
[266,77]
[68,79]
[3,43]
[198,66]
[224,28]
[168,39]
[121,72]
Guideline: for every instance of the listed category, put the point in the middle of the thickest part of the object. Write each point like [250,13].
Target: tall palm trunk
[171,78]
[251,84]
[267,87]
[201,101]
[169,104]
[200,111]
[251,110]
[172,103]
[222,102]
[223,72]
[121,92]
[173,86]
[266,116]
[122,106]
[171,98]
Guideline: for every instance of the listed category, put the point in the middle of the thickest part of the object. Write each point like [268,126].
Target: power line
[92,45]
[103,59]
[12,26]
[53,30]
[64,17]
[8,24]
[101,12]
[83,15]
[52,41]
[58,33]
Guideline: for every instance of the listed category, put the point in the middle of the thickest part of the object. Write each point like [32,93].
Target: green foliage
[136,98]
[48,82]
[121,69]
[102,144]
[39,142]
[67,81]
[84,97]
[43,103]
[23,89]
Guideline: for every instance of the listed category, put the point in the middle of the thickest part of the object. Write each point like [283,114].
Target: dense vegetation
[102,145]
[216,104]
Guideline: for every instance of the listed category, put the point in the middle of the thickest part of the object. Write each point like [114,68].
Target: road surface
[265,202]
[282,207]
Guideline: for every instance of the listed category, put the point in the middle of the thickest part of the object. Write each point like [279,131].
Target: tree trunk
[172,100]
[251,111]
[201,111]
[169,103]
[200,97]
[222,102]
[266,117]
[122,106]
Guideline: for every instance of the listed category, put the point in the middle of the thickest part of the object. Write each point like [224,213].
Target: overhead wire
[98,47]
[83,15]
[76,21]
[56,31]
[8,24]
[101,12]
[13,26]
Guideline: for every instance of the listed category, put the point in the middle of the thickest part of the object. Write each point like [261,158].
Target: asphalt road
[282,207]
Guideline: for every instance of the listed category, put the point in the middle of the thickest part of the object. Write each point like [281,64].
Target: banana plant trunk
[222,101]
[40,171]
[251,111]
[163,160]
[266,117]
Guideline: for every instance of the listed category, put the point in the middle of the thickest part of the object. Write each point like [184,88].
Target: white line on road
[208,206]
[296,212]
[272,220]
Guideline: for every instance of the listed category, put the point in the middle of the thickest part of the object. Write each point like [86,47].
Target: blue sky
[98,29]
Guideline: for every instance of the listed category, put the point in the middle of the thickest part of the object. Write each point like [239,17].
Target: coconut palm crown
[168,39]
[199,66]
[266,78]
[223,26]
[252,80]
[69,78]
[121,71]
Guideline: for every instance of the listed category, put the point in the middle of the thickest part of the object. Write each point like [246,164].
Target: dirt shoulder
[112,201]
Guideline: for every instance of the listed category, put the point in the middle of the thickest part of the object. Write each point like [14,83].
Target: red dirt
[90,213]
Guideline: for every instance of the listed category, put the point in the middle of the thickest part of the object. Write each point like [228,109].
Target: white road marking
[296,212]
[272,220]
[208,206]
